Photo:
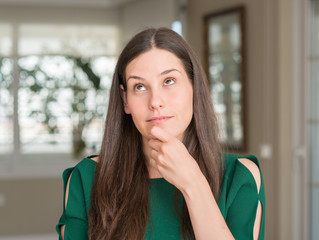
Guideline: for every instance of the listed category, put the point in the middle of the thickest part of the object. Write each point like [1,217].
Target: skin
[159,94]
[159,97]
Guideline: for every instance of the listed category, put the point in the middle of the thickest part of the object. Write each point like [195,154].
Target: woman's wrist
[196,186]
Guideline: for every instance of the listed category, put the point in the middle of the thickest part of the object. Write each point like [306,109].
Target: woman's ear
[124,98]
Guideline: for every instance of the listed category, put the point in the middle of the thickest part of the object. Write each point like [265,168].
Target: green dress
[237,202]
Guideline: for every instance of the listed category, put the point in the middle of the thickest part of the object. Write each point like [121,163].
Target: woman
[160,173]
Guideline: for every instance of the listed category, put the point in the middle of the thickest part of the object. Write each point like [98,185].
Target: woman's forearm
[207,220]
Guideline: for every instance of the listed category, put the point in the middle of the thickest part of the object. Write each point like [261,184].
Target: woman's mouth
[159,119]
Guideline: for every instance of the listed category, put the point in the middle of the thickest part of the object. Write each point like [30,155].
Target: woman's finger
[153,163]
[160,134]
[155,144]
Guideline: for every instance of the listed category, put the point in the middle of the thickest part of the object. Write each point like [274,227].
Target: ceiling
[66,3]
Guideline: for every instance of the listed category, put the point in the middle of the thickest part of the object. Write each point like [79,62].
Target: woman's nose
[156,100]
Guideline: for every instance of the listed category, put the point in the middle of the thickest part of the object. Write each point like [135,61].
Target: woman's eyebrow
[135,77]
[161,74]
[168,71]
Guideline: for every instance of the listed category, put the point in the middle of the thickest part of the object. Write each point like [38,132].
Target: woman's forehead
[155,61]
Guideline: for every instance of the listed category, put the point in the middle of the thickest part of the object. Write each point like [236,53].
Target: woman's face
[159,93]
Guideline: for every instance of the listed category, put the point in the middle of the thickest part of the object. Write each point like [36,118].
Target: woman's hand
[172,160]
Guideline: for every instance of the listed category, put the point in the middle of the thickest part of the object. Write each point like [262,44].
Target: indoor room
[57,60]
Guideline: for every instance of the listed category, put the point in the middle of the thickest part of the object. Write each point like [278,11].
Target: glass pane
[177,26]
[315,213]
[5,39]
[71,40]
[314,32]
[313,120]
[6,109]
[97,102]
[224,33]
[225,73]
[62,104]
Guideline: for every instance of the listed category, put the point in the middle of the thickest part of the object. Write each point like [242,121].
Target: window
[177,26]
[53,110]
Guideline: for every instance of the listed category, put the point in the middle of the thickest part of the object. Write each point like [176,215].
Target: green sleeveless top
[237,202]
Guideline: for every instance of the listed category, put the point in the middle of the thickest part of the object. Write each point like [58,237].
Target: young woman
[160,173]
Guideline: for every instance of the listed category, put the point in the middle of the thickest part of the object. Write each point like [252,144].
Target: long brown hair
[120,202]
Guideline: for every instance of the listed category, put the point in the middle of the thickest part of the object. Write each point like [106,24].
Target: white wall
[58,15]
[137,16]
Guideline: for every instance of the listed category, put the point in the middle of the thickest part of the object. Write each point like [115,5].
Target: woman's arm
[73,224]
[65,203]
[207,220]
[171,158]
[253,168]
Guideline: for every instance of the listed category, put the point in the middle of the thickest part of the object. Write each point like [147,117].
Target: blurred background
[56,63]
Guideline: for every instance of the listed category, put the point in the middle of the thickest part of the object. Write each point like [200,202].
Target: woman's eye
[169,81]
[139,87]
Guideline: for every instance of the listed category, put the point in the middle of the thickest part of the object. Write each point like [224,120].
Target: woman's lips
[159,119]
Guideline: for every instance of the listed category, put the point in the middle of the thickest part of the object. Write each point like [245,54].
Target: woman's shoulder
[78,182]
[233,161]
[83,171]
[242,169]
[87,162]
